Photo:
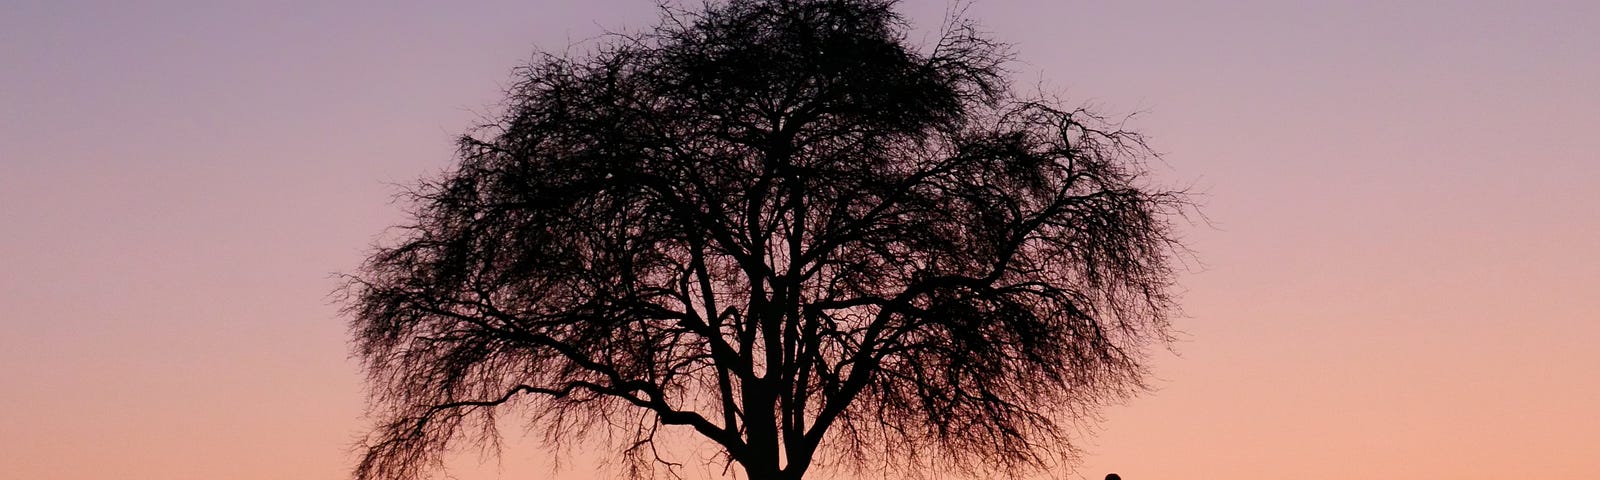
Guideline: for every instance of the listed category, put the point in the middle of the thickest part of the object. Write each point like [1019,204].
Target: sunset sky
[1400,277]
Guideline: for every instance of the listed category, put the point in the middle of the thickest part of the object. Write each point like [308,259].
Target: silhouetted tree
[776,224]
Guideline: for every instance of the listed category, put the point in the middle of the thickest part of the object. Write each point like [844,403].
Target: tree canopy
[784,228]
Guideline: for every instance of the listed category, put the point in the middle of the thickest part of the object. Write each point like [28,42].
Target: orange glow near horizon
[1398,280]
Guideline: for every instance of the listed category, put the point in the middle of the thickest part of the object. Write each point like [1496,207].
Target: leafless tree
[780,226]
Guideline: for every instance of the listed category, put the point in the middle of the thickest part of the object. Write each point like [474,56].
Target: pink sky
[1401,281]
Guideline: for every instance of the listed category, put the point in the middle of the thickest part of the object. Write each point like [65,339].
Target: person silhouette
[1113,476]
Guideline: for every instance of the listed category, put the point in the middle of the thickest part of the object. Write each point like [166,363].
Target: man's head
[1113,476]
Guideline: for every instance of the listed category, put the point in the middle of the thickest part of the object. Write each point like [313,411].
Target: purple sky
[1401,279]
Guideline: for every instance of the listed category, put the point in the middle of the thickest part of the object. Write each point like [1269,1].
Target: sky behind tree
[1398,282]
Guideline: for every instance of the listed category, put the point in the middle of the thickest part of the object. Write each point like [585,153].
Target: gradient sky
[1400,279]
